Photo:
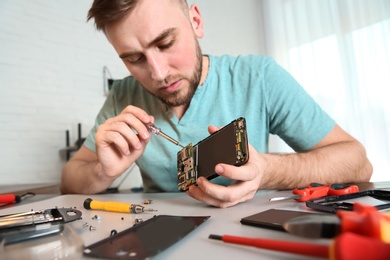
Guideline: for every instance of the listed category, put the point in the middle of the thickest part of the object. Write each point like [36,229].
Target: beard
[184,96]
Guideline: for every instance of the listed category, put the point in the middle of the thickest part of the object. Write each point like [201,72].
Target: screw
[138,220]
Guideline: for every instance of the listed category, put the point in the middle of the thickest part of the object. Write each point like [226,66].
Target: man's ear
[196,21]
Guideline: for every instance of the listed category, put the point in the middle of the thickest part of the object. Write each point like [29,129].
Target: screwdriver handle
[366,220]
[351,246]
[107,206]
[9,198]
[152,128]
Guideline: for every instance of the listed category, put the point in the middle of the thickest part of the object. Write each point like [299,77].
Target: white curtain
[339,50]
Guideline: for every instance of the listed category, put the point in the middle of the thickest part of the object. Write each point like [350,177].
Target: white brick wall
[51,64]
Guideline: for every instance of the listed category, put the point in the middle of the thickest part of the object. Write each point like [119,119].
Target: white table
[195,245]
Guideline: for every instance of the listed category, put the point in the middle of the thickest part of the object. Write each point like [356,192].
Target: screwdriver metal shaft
[157,131]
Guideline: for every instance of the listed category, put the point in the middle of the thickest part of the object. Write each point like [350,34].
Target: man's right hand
[121,140]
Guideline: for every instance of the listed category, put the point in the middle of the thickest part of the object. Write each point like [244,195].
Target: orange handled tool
[9,198]
[12,198]
[115,206]
[364,220]
[367,221]
[347,246]
[317,190]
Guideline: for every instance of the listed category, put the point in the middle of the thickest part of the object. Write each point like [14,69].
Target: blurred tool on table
[13,198]
[317,190]
[364,220]
[361,233]
[347,246]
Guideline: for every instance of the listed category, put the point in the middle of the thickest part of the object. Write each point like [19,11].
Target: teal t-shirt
[253,87]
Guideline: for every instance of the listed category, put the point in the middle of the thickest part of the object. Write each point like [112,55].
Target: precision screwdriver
[115,206]
[157,131]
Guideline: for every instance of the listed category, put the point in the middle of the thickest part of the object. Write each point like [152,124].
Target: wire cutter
[316,190]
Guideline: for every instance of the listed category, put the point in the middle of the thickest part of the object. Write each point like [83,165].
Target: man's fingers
[120,134]
[212,129]
[139,113]
[237,173]
[220,196]
[133,123]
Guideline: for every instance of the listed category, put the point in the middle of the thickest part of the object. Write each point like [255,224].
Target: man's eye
[135,59]
[166,46]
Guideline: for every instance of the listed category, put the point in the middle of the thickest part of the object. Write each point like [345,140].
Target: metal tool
[364,220]
[317,190]
[157,131]
[344,247]
[32,218]
[115,206]
[28,233]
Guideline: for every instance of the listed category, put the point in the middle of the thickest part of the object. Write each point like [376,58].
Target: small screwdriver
[115,206]
[157,131]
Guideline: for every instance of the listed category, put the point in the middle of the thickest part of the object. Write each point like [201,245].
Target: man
[183,92]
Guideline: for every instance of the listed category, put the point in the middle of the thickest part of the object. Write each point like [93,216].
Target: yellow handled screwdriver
[115,206]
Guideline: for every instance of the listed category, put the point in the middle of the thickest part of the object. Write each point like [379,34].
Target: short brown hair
[105,12]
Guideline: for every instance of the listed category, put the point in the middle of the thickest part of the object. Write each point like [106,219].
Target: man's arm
[82,174]
[338,158]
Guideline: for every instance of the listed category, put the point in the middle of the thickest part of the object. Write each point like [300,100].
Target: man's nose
[158,67]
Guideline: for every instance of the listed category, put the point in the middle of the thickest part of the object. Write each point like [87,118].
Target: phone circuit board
[228,145]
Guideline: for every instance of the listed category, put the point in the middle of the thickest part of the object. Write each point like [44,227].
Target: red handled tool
[12,198]
[364,220]
[347,246]
[317,190]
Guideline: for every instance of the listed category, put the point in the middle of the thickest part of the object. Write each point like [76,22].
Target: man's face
[158,44]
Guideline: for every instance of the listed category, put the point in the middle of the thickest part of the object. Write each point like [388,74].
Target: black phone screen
[272,218]
[145,239]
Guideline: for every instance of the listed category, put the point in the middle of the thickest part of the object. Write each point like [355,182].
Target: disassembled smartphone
[228,145]
[331,204]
